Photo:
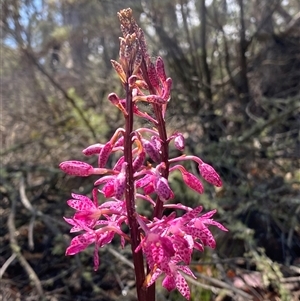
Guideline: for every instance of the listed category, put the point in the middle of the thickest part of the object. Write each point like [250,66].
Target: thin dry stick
[49,221]
[224,285]
[6,264]
[17,251]
[120,257]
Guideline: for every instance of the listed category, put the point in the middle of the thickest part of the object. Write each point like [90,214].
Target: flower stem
[130,200]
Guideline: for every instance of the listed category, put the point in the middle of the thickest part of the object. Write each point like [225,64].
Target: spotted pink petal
[80,205]
[200,221]
[184,248]
[76,227]
[80,242]
[156,99]
[192,214]
[186,270]
[169,283]
[203,234]
[156,142]
[182,286]
[154,277]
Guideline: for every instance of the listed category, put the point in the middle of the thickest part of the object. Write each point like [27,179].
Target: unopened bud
[138,161]
[108,189]
[153,76]
[93,149]
[163,189]
[179,142]
[156,99]
[120,182]
[76,168]
[113,98]
[151,150]
[167,89]
[104,154]
[118,67]
[210,175]
[192,181]
[160,69]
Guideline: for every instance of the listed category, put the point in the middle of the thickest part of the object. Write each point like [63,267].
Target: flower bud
[120,142]
[192,181]
[179,142]
[210,175]
[108,189]
[137,61]
[163,189]
[145,180]
[120,182]
[151,150]
[104,154]
[119,163]
[118,67]
[156,142]
[113,98]
[155,99]
[76,168]
[167,89]
[149,188]
[160,69]
[93,149]
[138,161]
[153,76]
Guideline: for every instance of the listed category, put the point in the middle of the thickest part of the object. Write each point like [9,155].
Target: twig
[17,251]
[213,289]
[261,125]
[224,285]
[49,222]
[6,264]
[120,257]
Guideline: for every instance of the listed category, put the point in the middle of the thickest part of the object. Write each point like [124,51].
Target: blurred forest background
[236,97]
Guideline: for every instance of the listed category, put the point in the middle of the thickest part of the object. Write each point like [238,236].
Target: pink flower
[174,278]
[191,224]
[98,231]
[164,253]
